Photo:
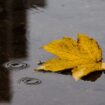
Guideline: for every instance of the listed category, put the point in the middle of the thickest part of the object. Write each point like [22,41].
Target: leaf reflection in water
[90,77]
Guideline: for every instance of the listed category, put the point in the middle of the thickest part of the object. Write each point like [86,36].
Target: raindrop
[30,81]
[15,65]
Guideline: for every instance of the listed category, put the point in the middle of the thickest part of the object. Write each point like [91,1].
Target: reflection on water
[5,91]
[93,76]
[90,77]
[16,32]
[13,41]
[39,3]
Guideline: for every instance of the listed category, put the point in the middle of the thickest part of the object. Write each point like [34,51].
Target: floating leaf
[81,57]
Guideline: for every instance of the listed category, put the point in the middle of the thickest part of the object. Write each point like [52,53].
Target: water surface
[24,27]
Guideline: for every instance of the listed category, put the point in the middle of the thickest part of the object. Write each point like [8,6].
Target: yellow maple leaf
[82,56]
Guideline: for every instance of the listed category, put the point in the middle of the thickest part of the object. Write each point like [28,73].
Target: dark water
[24,27]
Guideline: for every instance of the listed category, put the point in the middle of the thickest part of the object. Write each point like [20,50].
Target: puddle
[25,25]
